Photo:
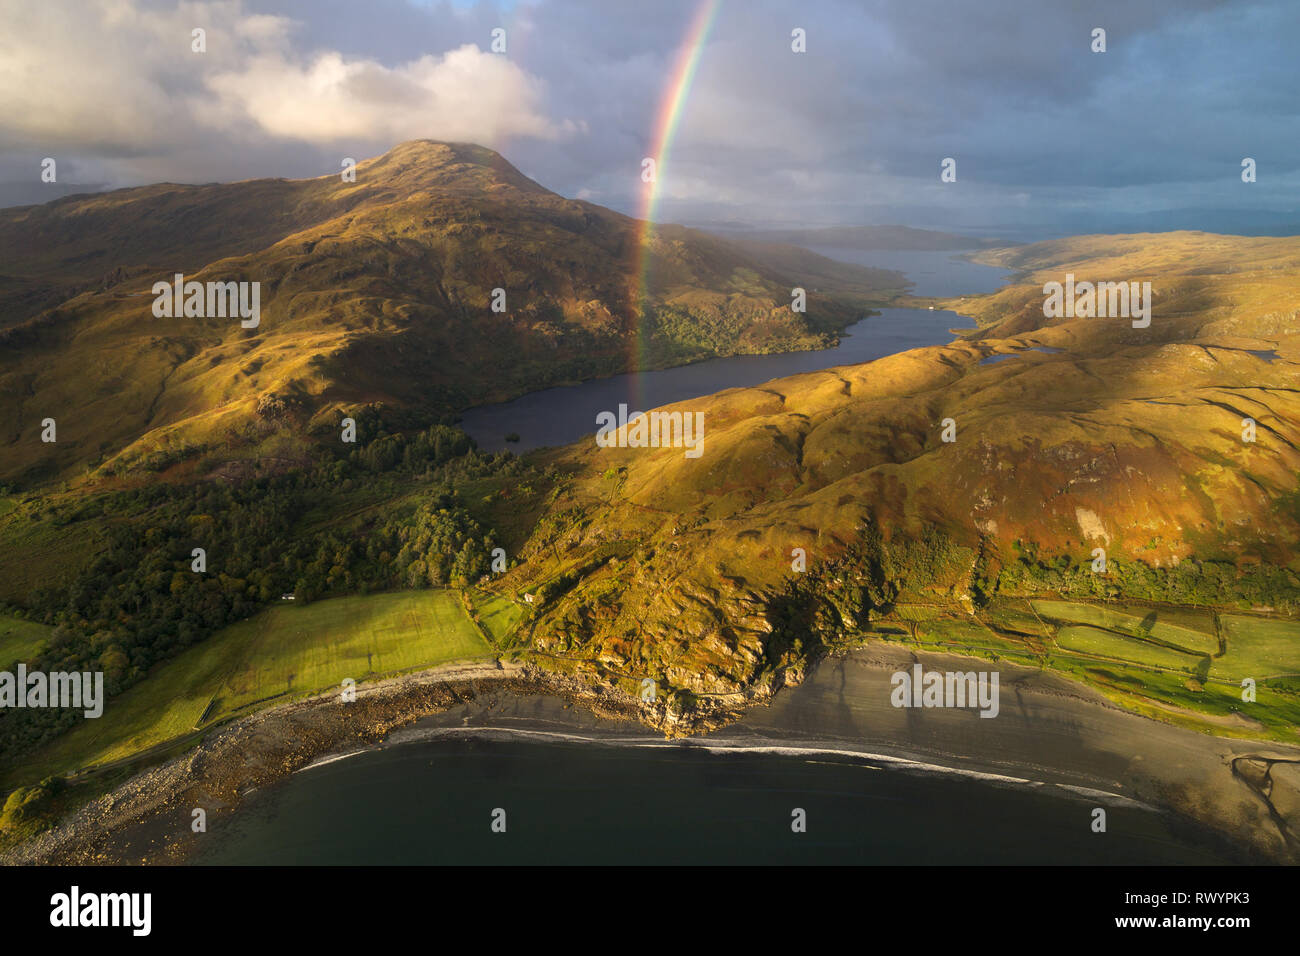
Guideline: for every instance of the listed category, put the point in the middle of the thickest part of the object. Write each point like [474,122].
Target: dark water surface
[431,802]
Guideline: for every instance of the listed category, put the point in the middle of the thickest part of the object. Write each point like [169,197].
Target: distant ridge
[896,238]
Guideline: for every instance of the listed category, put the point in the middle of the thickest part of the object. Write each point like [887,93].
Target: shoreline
[788,748]
[263,748]
[1061,736]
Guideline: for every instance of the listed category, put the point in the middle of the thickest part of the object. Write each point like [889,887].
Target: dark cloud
[1043,130]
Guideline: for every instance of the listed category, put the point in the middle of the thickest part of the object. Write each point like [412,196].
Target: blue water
[994,359]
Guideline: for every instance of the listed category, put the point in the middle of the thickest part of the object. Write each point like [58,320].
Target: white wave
[334,758]
[786,749]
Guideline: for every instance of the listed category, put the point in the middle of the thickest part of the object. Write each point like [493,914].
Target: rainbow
[669,116]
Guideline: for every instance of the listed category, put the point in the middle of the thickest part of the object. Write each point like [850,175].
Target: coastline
[1052,734]
[148,818]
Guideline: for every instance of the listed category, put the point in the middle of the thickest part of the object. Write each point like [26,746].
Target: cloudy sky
[1049,137]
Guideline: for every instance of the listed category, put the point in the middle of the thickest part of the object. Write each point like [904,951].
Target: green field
[919,612]
[498,615]
[39,553]
[1092,640]
[1196,690]
[302,649]
[1188,629]
[283,651]
[975,637]
[1258,648]
[1016,618]
[20,640]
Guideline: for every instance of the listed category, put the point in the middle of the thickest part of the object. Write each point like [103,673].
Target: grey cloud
[856,127]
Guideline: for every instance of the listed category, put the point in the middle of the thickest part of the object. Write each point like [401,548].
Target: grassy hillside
[20,640]
[400,512]
[283,652]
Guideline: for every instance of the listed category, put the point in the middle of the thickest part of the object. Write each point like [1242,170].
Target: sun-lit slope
[169,225]
[102,241]
[1130,440]
[1218,290]
[283,653]
[378,291]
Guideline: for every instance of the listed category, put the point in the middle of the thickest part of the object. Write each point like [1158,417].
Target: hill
[1070,435]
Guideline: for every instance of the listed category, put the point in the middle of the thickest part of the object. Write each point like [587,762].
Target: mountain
[26,192]
[373,292]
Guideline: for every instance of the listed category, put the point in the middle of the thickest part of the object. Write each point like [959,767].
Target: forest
[140,601]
